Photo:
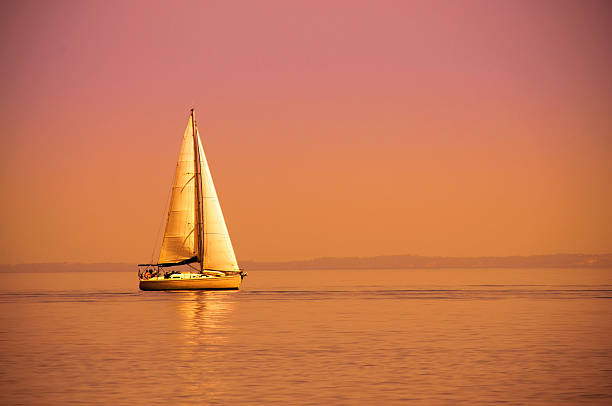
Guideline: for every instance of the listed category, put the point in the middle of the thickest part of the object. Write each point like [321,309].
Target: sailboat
[196,236]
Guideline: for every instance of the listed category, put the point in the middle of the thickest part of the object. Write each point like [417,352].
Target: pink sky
[332,128]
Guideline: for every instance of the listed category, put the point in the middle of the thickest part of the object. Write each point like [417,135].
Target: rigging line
[186,183]
[161,220]
[191,232]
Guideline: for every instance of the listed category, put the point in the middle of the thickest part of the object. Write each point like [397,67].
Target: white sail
[179,242]
[218,250]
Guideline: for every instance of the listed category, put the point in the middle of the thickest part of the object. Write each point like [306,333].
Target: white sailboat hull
[229,282]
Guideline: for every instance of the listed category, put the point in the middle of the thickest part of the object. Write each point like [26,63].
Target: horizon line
[325,258]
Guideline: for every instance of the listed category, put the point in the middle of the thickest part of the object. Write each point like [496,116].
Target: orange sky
[345,129]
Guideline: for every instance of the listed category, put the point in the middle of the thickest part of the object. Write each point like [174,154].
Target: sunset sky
[332,128]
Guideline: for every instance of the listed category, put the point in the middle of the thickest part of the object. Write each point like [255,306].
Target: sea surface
[366,337]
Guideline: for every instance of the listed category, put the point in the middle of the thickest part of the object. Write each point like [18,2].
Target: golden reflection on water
[205,316]
[204,325]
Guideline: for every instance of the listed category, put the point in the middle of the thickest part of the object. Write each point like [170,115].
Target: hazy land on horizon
[378,262]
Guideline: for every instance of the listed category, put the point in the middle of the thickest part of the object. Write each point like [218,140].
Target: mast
[198,195]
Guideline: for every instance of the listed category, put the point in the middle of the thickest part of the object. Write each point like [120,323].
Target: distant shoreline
[379,262]
[431,262]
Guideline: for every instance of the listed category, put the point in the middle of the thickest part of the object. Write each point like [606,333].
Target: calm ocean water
[513,336]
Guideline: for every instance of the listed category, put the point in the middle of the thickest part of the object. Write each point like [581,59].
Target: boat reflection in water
[205,317]
[203,342]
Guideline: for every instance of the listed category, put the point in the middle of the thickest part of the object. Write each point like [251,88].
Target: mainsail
[181,243]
